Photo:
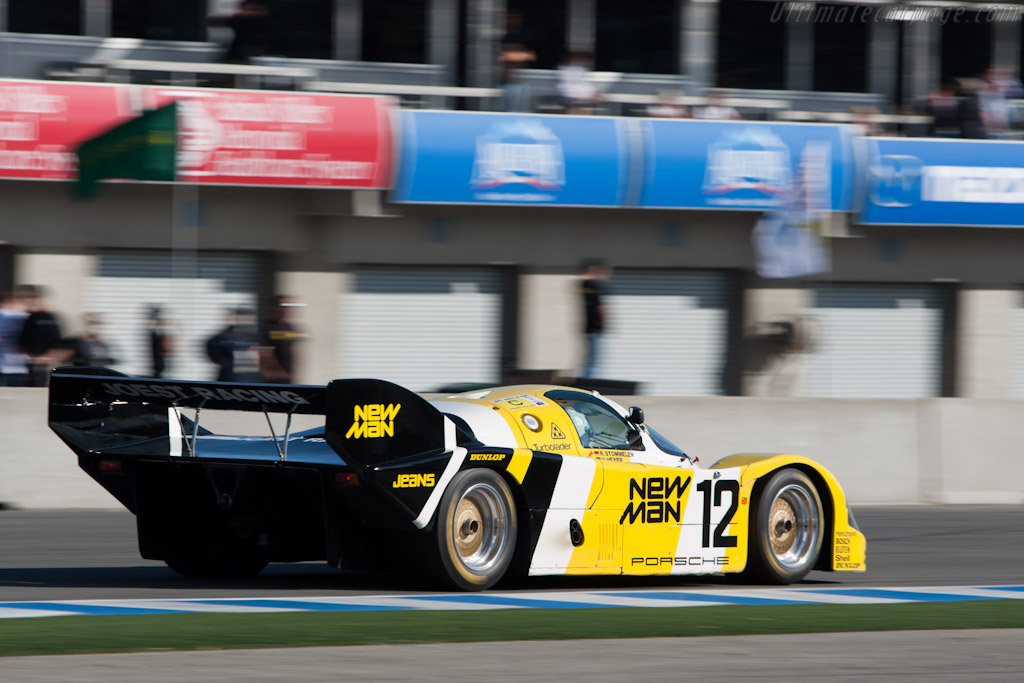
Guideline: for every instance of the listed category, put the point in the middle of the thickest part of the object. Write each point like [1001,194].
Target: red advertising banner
[225,137]
[253,137]
[41,124]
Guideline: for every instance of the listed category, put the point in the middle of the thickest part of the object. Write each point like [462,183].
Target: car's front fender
[848,543]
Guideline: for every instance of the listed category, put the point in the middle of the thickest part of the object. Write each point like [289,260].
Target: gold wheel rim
[794,526]
[468,526]
[481,530]
[782,526]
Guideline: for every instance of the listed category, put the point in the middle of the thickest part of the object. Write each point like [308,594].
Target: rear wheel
[476,529]
[787,530]
[242,566]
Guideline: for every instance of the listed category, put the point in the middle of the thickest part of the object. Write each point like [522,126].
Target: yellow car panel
[644,519]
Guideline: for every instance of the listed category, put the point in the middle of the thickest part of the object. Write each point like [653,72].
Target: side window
[597,425]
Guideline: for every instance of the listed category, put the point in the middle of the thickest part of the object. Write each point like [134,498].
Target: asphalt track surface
[78,555]
[65,555]
[980,656]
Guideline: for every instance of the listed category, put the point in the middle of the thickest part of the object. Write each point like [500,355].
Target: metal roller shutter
[667,330]
[129,282]
[876,341]
[422,327]
[1017,388]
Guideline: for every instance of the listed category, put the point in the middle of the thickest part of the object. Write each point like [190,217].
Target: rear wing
[398,443]
[373,423]
[98,410]
[404,448]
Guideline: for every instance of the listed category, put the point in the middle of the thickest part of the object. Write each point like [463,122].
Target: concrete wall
[963,451]
[318,355]
[62,276]
[550,320]
[987,330]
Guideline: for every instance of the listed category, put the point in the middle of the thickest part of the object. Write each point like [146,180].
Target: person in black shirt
[235,349]
[250,24]
[92,350]
[281,337]
[41,338]
[593,287]
[515,54]
[160,341]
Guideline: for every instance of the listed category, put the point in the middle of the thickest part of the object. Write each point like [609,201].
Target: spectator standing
[515,55]
[993,102]
[1007,83]
[40,339]
[281,337]
[968,112]
[161,343]
[715,108]
[235,349]
[13,363]
[1012,89]
[594,289]
[576,88]
[943,108]
[668,106]
[92,349]
[250,25]
[866,118]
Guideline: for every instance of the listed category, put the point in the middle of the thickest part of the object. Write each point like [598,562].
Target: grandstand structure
[364,166]
[809,56]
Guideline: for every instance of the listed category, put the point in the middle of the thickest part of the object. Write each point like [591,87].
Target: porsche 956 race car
[535,480]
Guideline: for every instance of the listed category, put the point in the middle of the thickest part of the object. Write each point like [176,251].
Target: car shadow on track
[314,578]
[283,578]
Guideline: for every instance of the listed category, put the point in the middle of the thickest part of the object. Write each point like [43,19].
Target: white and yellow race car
[537,480]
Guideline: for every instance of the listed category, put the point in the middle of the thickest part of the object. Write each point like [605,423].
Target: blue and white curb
[497,600]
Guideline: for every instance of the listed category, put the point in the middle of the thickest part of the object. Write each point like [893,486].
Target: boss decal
[654,500]
[842,552]
[373,421]
[413,481]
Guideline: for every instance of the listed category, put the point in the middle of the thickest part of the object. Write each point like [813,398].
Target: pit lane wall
[928,451]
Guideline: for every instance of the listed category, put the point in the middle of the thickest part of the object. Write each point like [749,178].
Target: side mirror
[636,415]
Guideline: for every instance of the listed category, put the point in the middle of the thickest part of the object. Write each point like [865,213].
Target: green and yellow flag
[142,149]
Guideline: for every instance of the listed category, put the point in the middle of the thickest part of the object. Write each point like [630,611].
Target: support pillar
[698,42]
[348,30]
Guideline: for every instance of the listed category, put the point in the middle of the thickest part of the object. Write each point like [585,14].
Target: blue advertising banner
[944,182]
[743,164]
[483,158]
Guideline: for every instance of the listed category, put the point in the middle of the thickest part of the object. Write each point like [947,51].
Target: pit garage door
[1017,381]
[876,341]
[422,327]
[667,330]
[128,283]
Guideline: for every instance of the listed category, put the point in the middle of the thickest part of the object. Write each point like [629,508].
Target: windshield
[665,445]
[597,425]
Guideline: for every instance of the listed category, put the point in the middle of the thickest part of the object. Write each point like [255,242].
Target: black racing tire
[476,530]
[243,566]
[787,529]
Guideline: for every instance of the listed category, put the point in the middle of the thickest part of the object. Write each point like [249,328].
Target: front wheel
[476,530]
[787,530]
